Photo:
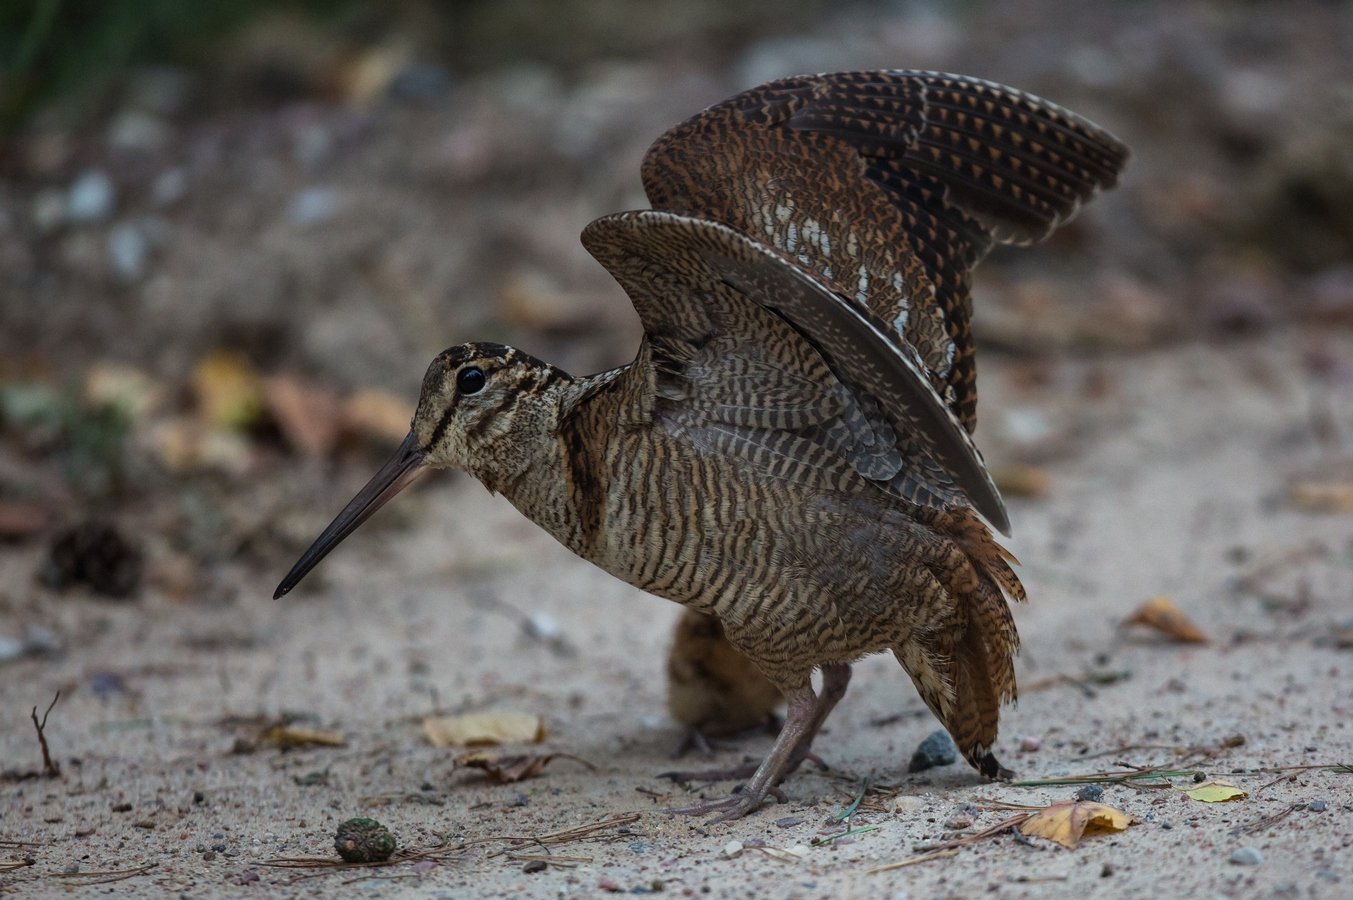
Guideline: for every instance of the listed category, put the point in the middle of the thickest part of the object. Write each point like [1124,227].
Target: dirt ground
[1175,493]
[1166,399]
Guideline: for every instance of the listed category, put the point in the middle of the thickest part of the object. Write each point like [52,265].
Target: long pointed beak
[402,470]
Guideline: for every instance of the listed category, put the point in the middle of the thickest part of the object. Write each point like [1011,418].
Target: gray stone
[936,750]
[127,251]
[169,187]
[1247,856]
[91,198]
[313,206]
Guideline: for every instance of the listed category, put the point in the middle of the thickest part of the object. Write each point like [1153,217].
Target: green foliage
[48,47]
[89,440]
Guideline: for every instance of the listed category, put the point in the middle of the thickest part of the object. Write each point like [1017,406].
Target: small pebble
[1317,806]
[169,187]
[535,865]
[958,823]
[127,251]
[1091,793]
[91,198]
[936,750]
[1029,744]
[208,856]
[1106,871]
[788,822]
[1247,856]
[732,849]
[313,206]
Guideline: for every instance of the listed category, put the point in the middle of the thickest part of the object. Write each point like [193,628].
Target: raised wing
[753,355]
[889,187]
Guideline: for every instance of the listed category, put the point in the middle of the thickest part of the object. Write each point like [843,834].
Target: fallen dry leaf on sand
[283,735]
[483,729]
[1216,792]
[1161,614]
[1329,490]
[308,416]
[508,768]
[1067,822]
[377,415]
[1021,481]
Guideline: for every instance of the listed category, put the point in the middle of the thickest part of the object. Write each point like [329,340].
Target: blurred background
[233,233]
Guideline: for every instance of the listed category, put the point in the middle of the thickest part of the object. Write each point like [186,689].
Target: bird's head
[484,408]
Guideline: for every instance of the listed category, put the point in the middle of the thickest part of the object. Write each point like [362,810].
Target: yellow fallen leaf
[1067,822]
[482,729]
[1162,614]
[507,768]
[1216,791]
[283,735]
[228,390]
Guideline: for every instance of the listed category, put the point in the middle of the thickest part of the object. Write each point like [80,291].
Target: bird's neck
[565,482]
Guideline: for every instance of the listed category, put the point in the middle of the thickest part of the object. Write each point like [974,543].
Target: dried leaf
[228,390]
[1021,481]
[377,415]
[1325,492]
[513,767]
[1161,614]
[184,445]
[124,387]
[308,416]
[1216,791]
[483,729]
[283,735]
[1067,822]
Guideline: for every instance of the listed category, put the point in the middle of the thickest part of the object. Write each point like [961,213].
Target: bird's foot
[695,739]
[730,808]
[692,739]
[746,770]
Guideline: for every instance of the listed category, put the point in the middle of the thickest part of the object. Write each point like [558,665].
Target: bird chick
[712,689]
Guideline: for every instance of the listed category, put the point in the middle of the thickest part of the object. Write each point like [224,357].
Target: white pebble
[313,206]
[732,849]
[127,250]
[91,197]
[1247,856]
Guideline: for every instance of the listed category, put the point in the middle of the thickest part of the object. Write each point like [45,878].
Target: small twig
[1003,825]
[551,859]
[827,839]
[915,860]
[1106,777]
[11,866]
[106,877]
[49,768]
[1266,821]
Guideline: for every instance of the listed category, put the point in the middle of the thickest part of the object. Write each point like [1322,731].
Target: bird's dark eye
[471,380]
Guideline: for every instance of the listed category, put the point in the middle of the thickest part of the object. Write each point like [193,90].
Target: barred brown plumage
[789,455]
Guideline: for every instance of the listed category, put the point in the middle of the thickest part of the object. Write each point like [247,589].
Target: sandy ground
[1175,483]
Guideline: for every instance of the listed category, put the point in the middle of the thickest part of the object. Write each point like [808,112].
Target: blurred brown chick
[712,689]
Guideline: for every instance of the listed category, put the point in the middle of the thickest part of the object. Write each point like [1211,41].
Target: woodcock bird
[790,451]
